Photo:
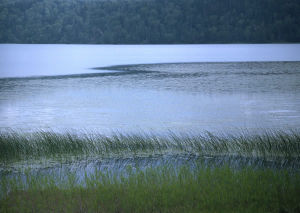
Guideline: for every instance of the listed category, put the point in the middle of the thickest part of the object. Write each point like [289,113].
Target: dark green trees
[149,21]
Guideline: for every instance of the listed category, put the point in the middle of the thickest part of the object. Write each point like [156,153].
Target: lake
[156,88]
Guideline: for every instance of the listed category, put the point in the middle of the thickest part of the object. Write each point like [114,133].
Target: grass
[271,145]
[169,188]
[164,189]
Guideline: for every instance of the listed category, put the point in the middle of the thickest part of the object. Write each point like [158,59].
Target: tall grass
[173,188]
[278,144]
[164,189]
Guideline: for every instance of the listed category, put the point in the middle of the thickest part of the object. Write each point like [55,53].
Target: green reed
[277,144]
[163,189]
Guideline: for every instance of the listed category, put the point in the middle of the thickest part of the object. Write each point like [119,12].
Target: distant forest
[149,21]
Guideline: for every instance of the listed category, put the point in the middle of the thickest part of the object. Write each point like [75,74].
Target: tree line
[149,21]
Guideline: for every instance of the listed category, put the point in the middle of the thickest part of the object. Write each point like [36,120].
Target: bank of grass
[161,189]
[164,189]
[272,144]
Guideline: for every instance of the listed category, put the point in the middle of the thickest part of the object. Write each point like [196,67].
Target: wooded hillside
[149,21]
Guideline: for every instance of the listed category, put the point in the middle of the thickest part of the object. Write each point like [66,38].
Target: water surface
[169,87]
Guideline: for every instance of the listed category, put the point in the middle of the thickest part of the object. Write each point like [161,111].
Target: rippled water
[215,96]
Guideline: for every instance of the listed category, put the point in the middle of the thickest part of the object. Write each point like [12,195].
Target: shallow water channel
[116,166]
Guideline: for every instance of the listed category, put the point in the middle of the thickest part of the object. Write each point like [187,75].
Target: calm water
[183,87]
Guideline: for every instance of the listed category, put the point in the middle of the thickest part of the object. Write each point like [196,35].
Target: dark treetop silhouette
[149,21]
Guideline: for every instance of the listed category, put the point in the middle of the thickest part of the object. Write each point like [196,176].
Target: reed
[277,144]
[163,189]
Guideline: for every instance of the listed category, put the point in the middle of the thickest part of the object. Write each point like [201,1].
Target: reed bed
[269,145]
[164,189]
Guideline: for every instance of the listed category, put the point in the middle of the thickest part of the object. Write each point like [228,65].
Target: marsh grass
[269,145]
[168,188]
[163,189]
